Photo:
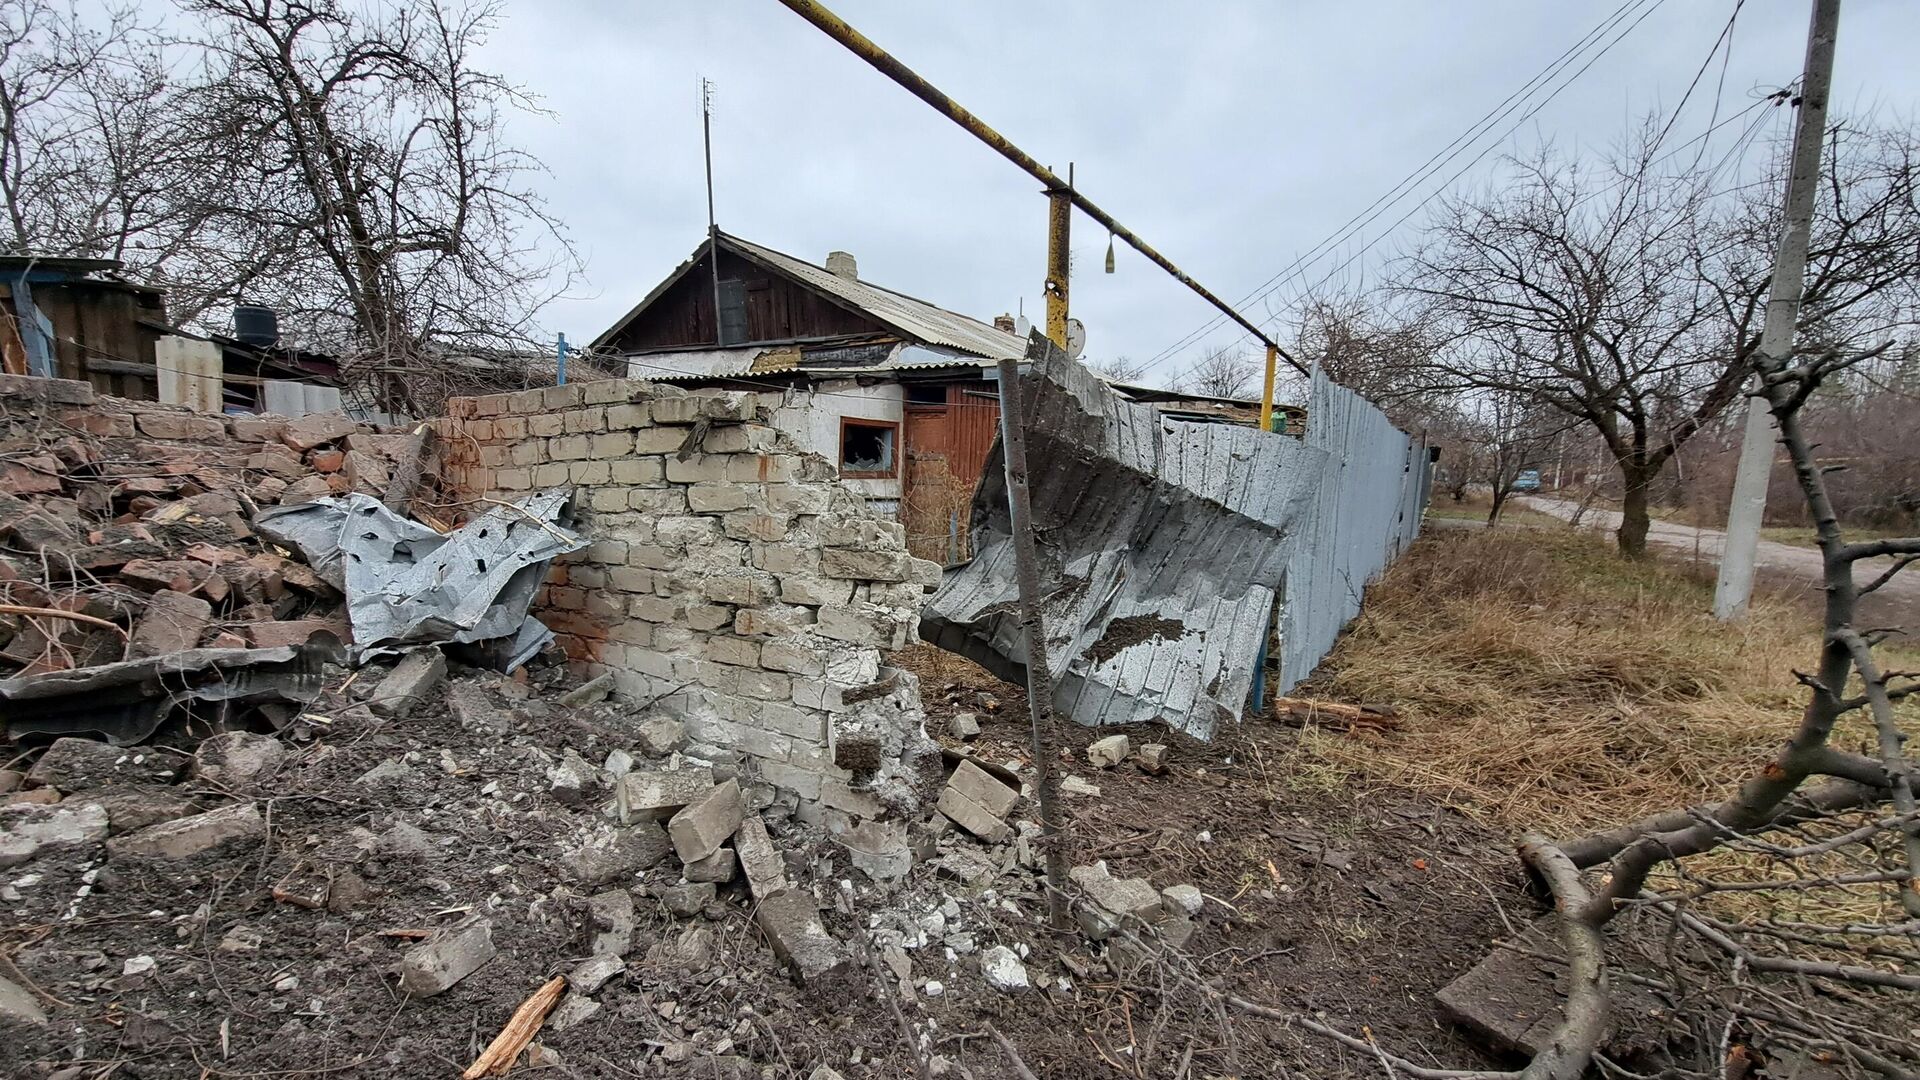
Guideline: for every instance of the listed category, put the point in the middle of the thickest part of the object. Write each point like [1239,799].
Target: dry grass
[1476,505]
[1545,684]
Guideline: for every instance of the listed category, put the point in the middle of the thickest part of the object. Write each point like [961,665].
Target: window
[926,393]
[867,448]
[733,311]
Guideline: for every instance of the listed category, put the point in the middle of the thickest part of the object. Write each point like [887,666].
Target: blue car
[1528,480]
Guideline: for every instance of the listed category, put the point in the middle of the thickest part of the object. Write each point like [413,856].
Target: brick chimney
[841,264]
[1003,322]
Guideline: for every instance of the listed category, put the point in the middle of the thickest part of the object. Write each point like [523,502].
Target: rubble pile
[132,523]
[447,839]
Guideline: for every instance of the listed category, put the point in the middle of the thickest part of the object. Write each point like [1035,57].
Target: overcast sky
[1233,136]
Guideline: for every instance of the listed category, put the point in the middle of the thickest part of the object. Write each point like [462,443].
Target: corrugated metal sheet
[1167,547]
[913,318]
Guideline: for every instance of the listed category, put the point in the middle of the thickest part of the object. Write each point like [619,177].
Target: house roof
[912,318]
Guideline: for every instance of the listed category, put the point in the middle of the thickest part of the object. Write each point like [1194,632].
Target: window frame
[892,426]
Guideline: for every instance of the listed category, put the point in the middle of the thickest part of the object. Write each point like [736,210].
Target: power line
[1438,160]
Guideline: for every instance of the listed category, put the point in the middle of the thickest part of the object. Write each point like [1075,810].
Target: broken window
[926,393]
[867,447]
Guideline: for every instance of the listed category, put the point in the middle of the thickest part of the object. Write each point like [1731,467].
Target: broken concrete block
[1185,897]
[793,927]
[237,760]
[824,1072]
[610,914]
[136,806]
[1108,752]
[718,867]
[18,1006]
[72,764]
[977,802]
[765,870]
[445,958]
[1152,758]
[574,779]
[1004,971]
[878,849]
[657,796]
[662,735]
[964,726]
[704,824]
[687,900]
[572,1012]
[182,837]
[28,830]
[11,780]
[617,852]
[317,429]
[589,976]
[173,622]
[475,710]
[1072,784]
[411,682]
[1128,898]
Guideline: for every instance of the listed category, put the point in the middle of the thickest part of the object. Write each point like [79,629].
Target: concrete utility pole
[1749,506]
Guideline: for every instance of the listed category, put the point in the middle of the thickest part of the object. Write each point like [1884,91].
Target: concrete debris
[616,852]
[590,975]
[182,837]
[689,899]
[28,830]
[1185,897]
[658,796]
[73,764]
[172,622]
[763,867]
[445,958]
[237,760]
[718,868]
[18,1005]
[610,917]
[572,1012]
[136,806]
[878,849]
[793,927]
[1130,900]
[1108,752]
[662,735]
[700,827]
[590,692]
[964,726]
[1152,758]
[977,802]
[1078,785]
[1003,970]
[574,780]
[414,680]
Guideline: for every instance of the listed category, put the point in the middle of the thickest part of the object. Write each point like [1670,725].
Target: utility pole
[1749,505]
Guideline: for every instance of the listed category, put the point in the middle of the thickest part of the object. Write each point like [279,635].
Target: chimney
[1003,321]
[841,264]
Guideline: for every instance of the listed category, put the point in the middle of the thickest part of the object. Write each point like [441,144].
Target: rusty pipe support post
[1266,392]
[884,62]
[1059,223]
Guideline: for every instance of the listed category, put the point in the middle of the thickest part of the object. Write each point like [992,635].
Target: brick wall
[731,581]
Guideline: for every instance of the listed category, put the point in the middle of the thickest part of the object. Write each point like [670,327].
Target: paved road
[1897,603]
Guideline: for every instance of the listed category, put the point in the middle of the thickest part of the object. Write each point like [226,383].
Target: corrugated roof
[913,318]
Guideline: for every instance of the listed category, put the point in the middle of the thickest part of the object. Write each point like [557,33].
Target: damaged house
[897,392]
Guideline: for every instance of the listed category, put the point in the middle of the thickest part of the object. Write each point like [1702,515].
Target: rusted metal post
[1026,561]
[884,62]
[1059,222]
[1266,392]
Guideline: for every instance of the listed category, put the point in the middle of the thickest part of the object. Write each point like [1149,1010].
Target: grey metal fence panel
[1365,511]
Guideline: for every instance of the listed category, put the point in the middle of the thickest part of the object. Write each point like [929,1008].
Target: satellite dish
[1076,338]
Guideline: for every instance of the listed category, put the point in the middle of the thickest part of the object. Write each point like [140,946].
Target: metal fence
[1366,506]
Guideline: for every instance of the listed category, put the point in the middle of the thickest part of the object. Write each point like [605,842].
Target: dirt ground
[1353,905]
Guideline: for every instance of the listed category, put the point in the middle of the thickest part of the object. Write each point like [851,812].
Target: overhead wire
[1439,159]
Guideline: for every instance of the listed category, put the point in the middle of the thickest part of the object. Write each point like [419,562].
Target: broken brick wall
[732,580]
[138,513]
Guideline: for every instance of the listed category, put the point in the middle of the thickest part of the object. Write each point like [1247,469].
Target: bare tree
[1121,369]
[1628,297]
[1222,371]
[1518,429]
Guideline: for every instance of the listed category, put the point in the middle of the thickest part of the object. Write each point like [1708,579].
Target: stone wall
[732,580]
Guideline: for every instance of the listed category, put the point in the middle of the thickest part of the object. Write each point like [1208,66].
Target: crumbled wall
[732,580]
